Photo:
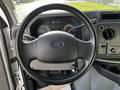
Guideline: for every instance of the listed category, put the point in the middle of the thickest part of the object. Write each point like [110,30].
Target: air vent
[108,34]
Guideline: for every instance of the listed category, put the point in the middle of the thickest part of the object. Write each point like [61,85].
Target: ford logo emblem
[57,44]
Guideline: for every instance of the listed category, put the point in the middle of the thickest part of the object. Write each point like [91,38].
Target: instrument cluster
[44,25]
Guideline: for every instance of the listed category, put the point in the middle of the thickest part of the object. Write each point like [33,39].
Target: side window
[3,16]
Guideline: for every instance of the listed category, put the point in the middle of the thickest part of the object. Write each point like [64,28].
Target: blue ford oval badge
[57,44]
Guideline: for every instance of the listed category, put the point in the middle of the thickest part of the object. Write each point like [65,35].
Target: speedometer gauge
[43,29]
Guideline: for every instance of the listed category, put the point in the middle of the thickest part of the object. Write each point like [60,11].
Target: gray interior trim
[5,61]
[112,76]
[4,85]
[92,80]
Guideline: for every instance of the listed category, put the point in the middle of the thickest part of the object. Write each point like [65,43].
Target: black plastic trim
[3,23]
[72,86]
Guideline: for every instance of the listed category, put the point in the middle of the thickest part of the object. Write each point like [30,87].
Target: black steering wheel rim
[29,18]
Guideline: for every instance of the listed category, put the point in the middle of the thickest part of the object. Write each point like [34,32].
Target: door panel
[3,80]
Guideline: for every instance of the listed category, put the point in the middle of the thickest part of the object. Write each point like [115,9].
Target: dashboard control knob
[108,34]
[113,50]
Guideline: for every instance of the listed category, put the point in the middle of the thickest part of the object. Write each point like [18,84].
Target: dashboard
[106,23]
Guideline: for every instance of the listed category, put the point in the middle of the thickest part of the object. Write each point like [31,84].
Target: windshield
[24,7]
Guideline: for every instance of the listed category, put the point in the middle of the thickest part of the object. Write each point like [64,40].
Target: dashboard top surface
[106,23]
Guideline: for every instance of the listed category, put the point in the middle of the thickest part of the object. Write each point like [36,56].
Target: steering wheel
[57,57]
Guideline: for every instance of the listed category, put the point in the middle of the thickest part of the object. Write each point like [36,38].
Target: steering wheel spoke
[38,65]
[85,49]
[28,50]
